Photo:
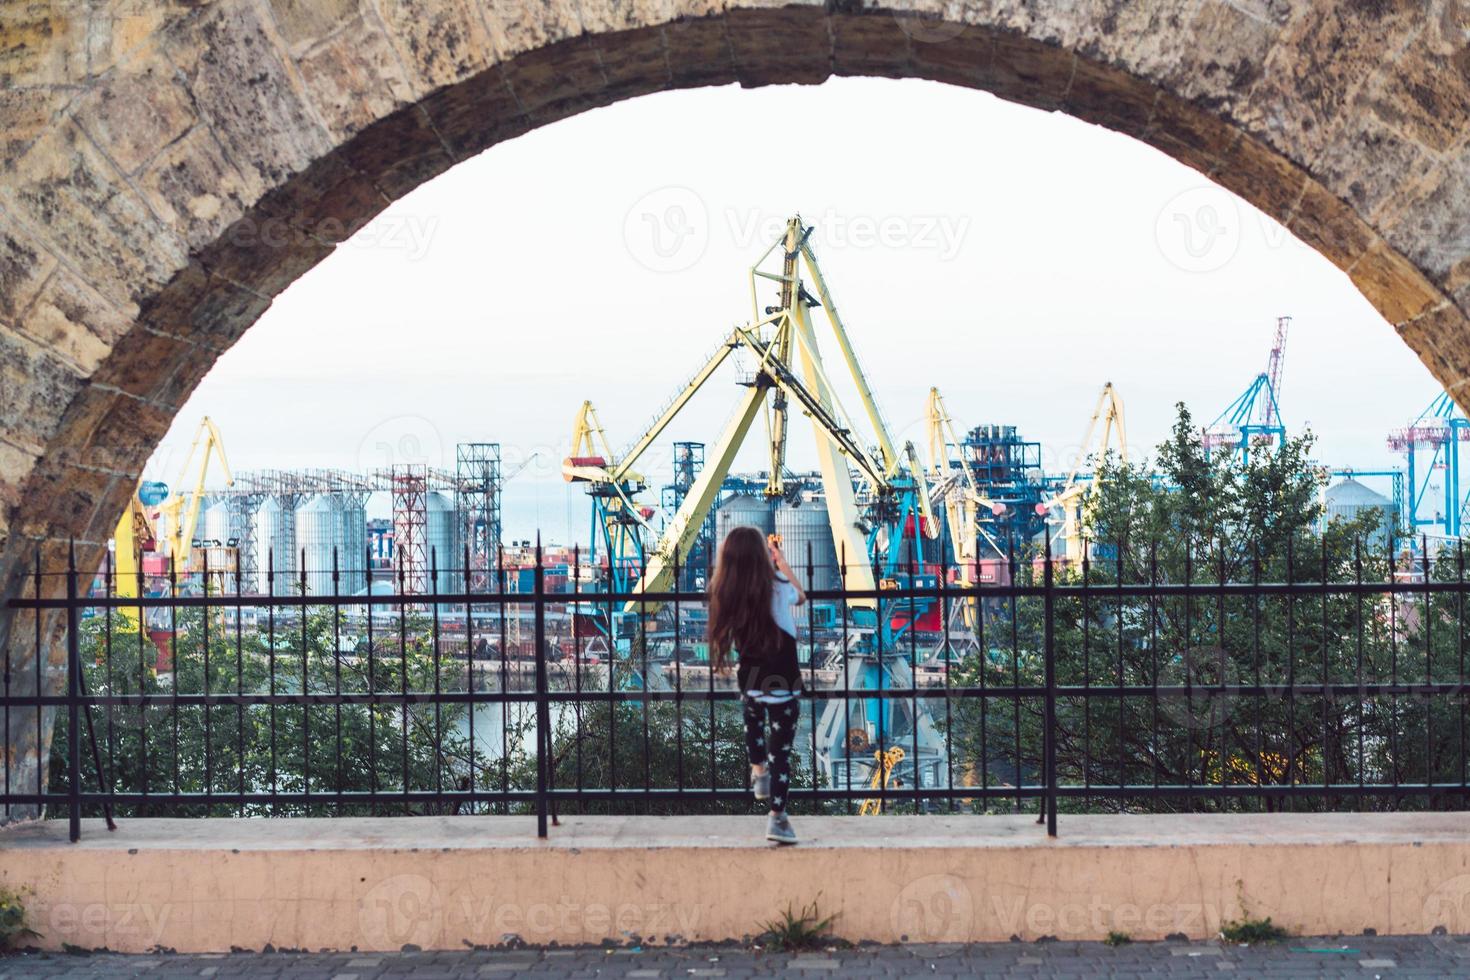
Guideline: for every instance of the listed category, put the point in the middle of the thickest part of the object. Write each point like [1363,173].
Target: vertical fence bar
[543,713]
[1050,745]
[73,700]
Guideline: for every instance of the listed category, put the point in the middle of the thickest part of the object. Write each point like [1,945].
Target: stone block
[633,63]
[240,83]
[90,217]
[1441,338]
[1394,285]
[1433,227]
[1110,98]
[67,501]
[75,322]
[25,113]
[135,112]
[194,189]
[355,78]
[36,385]
[205,310]
[147,364]
[439,41]
[521,25]
[1022,70]
[1331,226]
[563,72]
[699,52]
[304,23]
[1262,177]
[401,153]
[787,45]
[1317,68]
[875,44]
[476,114]
[965,58]
[1365,164]
[24,266]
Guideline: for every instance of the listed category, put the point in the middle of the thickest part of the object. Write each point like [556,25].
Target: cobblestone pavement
[1337,957]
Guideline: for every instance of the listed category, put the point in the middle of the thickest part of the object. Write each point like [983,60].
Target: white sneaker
[778,829]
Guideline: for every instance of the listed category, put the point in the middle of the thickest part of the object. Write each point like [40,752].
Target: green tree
[1208,518]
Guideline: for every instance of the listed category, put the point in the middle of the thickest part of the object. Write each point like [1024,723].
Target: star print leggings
[782,719]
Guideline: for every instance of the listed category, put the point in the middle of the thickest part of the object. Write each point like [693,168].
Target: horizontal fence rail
[1119,681]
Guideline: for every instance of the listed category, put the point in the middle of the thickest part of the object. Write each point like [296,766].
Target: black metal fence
[1218,679]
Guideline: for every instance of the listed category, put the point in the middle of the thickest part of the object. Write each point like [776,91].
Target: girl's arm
[785,569]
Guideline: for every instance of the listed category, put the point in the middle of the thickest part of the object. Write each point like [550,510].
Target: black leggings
[783,734]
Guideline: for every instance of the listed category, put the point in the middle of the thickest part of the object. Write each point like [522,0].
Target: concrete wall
[446,882]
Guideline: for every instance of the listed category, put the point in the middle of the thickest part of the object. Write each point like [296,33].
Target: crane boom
[1273,371]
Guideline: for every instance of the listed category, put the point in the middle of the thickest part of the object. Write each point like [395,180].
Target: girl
[750,611]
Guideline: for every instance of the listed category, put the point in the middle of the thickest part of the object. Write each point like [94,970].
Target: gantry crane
[953,485]
[182,511]
[1253,420]
[875,519]
[619,524]
[1441,428]
[137,530]
[1070,500]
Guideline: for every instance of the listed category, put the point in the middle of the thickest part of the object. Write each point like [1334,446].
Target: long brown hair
[740,597]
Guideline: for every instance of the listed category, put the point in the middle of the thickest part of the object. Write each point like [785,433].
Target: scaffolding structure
[477,488]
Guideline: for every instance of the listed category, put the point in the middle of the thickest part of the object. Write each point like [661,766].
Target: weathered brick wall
[166,168]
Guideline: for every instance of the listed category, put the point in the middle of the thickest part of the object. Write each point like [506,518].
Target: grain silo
[214,529]
[444,551]
[743,509]
[275,537]
[351,544]
[1350,500]
[318,528]
[803,524]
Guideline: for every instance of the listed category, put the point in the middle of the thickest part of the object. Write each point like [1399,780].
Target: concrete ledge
[447,882]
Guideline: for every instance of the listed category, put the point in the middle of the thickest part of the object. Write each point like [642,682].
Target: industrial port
[873,514]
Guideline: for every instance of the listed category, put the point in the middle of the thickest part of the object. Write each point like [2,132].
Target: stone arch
[166,169]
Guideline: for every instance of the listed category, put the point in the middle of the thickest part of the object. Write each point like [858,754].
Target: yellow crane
[181,510]
[954,486]
[882,773]
[134,535]
[1075,493]
[783,341]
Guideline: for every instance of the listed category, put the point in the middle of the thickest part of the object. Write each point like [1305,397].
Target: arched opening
[144,244]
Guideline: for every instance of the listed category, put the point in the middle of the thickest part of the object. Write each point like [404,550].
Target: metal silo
[275,536]
[743,509]
[805,523]
[1350,499]
[215,527]
[351,545]
[444,551]
[318,527]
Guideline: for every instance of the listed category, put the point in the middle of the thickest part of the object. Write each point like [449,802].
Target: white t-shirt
[783,597]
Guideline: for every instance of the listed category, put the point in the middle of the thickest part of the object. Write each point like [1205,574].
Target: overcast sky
[1016,259]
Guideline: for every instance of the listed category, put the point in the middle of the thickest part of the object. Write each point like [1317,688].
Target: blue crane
[1438,431]
[1253,420]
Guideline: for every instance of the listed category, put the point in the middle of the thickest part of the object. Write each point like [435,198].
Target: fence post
[543,714]
[1049,743]
[73,700]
